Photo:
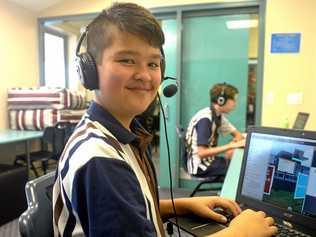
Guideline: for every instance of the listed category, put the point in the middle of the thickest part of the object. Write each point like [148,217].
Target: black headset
[221,99]
[87,69]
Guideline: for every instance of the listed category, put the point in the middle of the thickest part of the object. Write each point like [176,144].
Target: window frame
[42,30]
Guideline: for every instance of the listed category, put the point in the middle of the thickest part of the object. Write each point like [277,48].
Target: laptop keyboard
[285,231]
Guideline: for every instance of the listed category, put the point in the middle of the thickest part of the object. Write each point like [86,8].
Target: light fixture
[241,24]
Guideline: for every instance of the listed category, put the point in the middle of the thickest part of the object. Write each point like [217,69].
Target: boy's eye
[127,61]
[154,65]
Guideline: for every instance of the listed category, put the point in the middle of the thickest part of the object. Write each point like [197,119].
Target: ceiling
[35,5]
[40,5]
[74,27]
[66,26]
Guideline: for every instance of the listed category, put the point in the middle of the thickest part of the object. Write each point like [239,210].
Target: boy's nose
[142,73]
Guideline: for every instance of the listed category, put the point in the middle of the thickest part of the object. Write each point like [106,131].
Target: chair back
[62,132]
[37,220]
[58,136]
[181,132]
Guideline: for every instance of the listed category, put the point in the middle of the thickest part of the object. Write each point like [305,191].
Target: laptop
[278,176]
[301,120]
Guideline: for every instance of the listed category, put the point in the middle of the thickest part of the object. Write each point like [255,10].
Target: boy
[105,184]
[202,134]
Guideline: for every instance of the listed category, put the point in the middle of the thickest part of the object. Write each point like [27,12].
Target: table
[230,185]
[12,136]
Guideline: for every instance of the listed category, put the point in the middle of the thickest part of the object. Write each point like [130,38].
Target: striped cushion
[38,119]
[44,98]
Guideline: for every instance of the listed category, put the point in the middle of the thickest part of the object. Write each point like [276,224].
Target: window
[53,58]
[54,63]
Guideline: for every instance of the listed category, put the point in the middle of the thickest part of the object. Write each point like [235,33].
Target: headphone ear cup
[87,71]
[221,100]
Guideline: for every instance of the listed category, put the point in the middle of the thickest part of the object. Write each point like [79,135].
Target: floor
[10,229]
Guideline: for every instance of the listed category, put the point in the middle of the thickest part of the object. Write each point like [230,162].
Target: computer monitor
[301,120]
[278,174]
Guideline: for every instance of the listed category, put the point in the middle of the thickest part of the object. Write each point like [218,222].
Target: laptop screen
[279,170]
[301,120]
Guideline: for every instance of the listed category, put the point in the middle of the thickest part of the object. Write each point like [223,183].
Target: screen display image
[282,171]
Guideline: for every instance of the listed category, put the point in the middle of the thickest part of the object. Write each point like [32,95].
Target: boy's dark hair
[223,89]
[126,17]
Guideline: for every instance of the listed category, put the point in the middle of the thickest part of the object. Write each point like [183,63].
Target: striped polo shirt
[105,184]
[201,132]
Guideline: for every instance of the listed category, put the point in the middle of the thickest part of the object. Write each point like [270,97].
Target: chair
[37,220]
[53,142]
[216,180]
[12,198]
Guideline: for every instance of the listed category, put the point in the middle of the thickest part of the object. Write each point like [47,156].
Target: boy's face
[129,75]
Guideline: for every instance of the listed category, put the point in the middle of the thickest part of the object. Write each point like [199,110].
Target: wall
[19,60]
[253,43]
[290,73]
[82,6]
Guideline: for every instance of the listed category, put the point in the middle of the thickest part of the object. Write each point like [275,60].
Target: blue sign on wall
[285,43]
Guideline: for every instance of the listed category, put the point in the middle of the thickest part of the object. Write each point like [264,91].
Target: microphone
[171,89]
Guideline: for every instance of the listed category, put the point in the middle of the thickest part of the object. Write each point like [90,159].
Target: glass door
[215,50]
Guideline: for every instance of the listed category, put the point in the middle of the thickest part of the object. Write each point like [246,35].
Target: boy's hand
[238,144]
[203,206]
[253,224]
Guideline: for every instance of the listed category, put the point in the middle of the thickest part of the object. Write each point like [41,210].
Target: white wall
[288,74]
[18,52]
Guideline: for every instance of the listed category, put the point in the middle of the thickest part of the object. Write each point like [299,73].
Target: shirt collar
[98,113]
[138,135]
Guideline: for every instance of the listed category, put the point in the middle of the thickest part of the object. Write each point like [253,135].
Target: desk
[229,189]
[13,136]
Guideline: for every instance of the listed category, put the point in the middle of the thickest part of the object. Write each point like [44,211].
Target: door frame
[179,12]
